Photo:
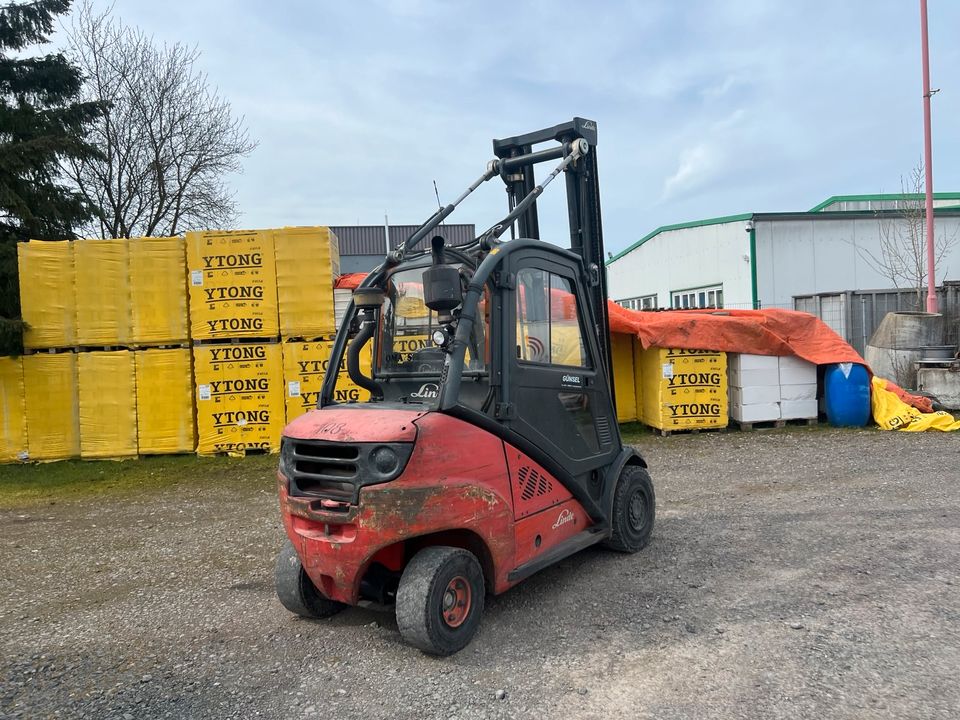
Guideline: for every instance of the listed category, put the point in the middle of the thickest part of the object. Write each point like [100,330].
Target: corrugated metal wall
[370,239]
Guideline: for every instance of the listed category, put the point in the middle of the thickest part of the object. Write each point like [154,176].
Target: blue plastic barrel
[846,393]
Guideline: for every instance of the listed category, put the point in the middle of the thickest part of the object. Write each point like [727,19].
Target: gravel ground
[794,574]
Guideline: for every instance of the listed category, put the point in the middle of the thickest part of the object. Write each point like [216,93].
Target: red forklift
[488,447]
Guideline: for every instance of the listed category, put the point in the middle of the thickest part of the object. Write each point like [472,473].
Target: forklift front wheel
[296,590]
[634,510]
[440,599]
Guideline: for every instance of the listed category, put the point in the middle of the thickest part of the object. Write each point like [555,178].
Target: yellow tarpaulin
[304,365]
[13,419]
[158,291]
[47,302]
[683,389]
[892,413]
[239,393]
[308,263]
[233,285]
[165,421]
[102,292]
[50,391]
[108,404]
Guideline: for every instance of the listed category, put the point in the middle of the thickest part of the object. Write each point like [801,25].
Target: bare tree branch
[902,255]
[167,140]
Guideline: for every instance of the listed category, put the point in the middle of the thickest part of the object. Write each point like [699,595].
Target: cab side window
[548,321]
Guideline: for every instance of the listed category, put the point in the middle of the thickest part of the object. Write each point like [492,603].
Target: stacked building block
[682,389]
[304,367]
[308,264]
[107,404]
[233,285]
[624,380]
[50,392]
[754,383]
[165,401]
[798,388]
[158,292]
[102,291]
[770,388]
[47,300]
[13,418]
[239,397]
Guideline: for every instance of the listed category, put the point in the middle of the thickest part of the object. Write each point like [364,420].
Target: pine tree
[41,126]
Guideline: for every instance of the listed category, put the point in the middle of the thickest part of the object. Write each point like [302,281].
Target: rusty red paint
[457,480]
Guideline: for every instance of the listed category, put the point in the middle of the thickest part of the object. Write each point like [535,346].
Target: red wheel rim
[456,602]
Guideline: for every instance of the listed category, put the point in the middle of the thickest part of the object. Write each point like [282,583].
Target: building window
[694,298]
[647,302]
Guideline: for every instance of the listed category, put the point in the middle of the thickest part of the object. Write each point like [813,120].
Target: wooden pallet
[772,424]
[660,432]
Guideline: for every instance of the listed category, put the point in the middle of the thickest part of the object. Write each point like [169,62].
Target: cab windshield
[405,346]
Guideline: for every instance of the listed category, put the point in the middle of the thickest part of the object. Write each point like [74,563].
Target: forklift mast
[517,160]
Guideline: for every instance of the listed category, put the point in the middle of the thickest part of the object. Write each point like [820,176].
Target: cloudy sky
[704,107]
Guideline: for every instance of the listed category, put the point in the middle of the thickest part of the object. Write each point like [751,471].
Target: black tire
[296,590]
[634,510]
[435,577]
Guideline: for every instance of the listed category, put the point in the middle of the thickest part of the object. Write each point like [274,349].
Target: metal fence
[855,314]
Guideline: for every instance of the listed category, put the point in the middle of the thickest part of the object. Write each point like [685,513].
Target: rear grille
[335,470]
[321,468]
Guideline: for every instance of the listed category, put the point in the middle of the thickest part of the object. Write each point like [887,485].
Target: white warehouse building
[822,261]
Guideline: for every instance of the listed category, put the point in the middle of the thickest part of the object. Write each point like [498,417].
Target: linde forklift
[488,452]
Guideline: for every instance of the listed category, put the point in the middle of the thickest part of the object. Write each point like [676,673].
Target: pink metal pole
[928,161]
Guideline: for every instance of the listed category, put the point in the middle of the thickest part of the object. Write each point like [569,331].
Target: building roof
[819,212]
[885,201]
[371,239]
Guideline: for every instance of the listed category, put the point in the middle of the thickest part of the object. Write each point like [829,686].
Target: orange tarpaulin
[758,332]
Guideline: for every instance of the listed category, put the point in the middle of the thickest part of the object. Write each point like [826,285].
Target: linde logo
[427,391]
[563,518]
[234,324]
[221,294]
[241,418]
[232,261]
[695,410]
[228,387]
[239,352]
[711,379]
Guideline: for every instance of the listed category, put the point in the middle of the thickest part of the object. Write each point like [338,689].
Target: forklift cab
[486,447]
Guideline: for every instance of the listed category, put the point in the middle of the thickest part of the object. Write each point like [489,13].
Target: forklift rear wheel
[440,599]
[296,590]
[634,510]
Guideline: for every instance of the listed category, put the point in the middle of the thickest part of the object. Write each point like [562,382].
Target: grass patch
[42,483]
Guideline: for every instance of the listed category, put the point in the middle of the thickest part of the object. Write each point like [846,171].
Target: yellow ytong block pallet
[233,285]
[165,422]
[621,348]
[683,389]
[239,397]
[102,292]
[308,263]
[50,391]
[158,291]
[47,301]
[304,366]
[108,404]
[13,417]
